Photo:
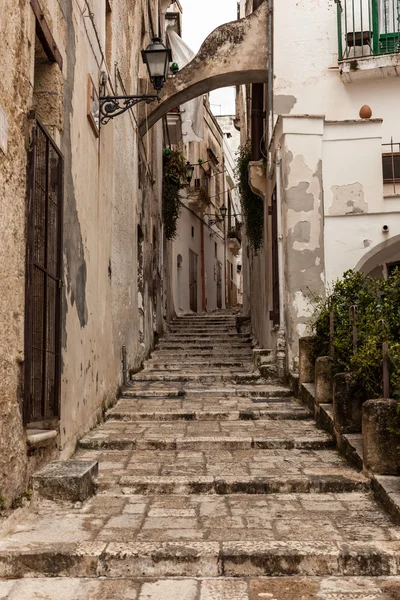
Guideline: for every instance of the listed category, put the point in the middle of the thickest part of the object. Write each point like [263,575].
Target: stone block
[323,380]
[347,405]
[306,360]
[71,480]
[380,444]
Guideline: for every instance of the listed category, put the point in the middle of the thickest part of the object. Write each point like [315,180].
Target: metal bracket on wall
[112,106]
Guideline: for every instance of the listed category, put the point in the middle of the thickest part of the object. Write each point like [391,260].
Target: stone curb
[206,559]
[205,443]
[386,488]
[210,485]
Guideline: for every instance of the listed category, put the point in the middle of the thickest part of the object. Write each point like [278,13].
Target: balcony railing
[391,166]
[368,28]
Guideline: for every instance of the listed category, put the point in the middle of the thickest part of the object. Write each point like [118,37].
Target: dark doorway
[44,272]
[219,284]
[193,280]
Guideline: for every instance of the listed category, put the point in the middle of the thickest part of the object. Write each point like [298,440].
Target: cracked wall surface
[103,203]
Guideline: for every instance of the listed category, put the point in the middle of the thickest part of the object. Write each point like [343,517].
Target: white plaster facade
[112,281]
[336,212]
[218,279]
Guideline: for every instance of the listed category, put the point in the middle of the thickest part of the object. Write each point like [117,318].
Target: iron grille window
[391,167]
[43,290]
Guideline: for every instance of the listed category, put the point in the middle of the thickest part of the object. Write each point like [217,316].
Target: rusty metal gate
[43,286]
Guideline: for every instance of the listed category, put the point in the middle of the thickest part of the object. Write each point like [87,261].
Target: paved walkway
[213,485]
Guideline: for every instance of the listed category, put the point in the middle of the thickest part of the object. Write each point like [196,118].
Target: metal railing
[391,165]
[368,28]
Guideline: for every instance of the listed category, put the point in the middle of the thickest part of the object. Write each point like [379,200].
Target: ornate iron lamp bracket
[112,106]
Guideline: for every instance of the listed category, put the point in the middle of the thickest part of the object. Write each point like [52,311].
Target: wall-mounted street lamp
[189,172]
[223,210]
[157,58]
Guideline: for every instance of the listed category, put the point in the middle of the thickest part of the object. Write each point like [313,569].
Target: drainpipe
[270,84]
[281,341]
[257,111]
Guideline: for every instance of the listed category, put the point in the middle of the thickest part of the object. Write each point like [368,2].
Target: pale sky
[199,19]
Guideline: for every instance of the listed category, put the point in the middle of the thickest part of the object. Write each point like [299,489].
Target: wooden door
[193,280]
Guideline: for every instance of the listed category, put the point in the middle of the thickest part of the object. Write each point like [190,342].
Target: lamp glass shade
[157,58]
[189,171]
[223,210]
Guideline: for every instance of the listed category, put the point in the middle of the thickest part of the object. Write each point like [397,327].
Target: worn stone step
[194,389]
[185,435]
[204,376]
[209,365]
[130,414]
[206,335]
[216,588]
[201,559]
[232,465]
[235,353]
[225,485]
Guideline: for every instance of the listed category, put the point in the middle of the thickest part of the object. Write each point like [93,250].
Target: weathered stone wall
[104,202]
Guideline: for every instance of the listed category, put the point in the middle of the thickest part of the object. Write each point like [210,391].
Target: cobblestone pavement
[209,488]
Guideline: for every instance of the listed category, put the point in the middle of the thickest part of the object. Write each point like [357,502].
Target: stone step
[185,414]
[204,376]
[201,435]
[227,485]
[246,471]
[217,364]
[207,335]
[235,353]
[120,560]
[216,588]
[194,389]
[185,328]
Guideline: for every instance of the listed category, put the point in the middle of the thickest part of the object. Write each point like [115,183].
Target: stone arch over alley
[234,54]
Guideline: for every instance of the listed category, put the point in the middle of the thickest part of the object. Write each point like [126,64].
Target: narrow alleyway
[213,485]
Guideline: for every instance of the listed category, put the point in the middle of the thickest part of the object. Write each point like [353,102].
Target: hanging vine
[174,179]
[252,205]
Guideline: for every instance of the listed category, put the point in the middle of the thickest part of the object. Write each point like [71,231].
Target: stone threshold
[204,415]
[226,485]
[205,442]
[40,437]
[200,559]
[386,488]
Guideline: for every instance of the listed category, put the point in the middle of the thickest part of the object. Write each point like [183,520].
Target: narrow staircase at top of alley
[214,484]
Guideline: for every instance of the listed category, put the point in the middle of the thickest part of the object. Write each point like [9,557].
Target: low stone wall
[363,429]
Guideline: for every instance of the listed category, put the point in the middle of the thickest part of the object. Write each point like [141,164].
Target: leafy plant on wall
[252,205]
[174,179]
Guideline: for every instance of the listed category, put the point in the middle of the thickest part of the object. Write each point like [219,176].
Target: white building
[332,190]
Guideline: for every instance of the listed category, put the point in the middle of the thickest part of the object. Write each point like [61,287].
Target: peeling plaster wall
[301,143]
[17,34]
[103,204]
[355,209]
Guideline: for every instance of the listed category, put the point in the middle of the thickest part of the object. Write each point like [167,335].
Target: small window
[192,232]
[216,249]
[391,167]
[392,267]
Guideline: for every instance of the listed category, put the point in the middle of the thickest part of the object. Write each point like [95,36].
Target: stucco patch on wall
[284,103]
[348,200]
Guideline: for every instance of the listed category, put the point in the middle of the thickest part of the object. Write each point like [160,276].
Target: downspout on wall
[281,338]
[257,111]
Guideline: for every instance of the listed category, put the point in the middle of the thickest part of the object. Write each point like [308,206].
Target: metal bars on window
[368,28]
[43,287]
[391,165]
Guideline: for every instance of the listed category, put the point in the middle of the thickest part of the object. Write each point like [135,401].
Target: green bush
[251,204]
[174,179]
[377,305]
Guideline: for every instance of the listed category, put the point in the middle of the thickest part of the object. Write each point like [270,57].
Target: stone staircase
[213,484]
